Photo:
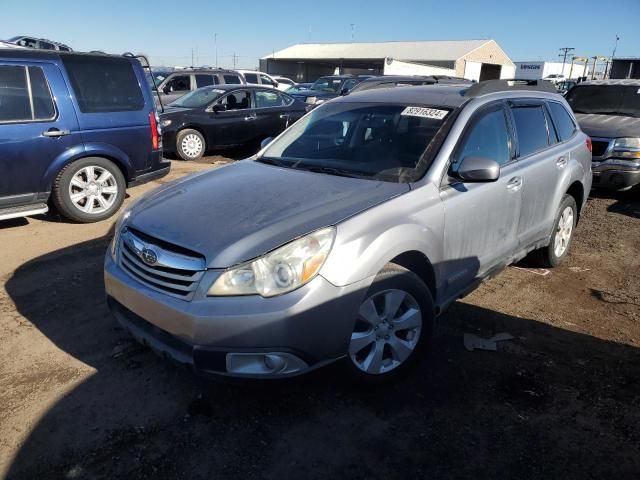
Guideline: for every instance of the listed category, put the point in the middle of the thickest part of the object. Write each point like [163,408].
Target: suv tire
[565,223]
[190,144]
[380,348]
[93,179]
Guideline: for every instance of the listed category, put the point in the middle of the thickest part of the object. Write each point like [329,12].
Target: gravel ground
[79,399]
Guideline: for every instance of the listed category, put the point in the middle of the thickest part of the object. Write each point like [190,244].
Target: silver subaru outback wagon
[348,234]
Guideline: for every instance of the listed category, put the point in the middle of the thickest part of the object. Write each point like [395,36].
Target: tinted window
[178,83]
[103,84]
[232,79]
[64,49]
[47,46]
[14,94]
[198,98]
[531,127]
[251,78]
[562,121]
[605,99]
[28,42]
[204,80]
[349,84]
[266,80]
[43,108]
[266,99]
[488,138]
[238,100]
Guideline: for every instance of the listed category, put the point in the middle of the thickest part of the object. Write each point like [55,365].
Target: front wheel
[554,253]
[393,326]
[89,190]
[190,144]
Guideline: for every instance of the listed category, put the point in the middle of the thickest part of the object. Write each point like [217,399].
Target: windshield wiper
[335,171]
[270,161]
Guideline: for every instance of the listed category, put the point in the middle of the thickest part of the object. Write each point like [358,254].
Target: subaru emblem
[149,256]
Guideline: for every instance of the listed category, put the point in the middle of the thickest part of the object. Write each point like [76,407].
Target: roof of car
[240,86]
[37,53]
[623,81]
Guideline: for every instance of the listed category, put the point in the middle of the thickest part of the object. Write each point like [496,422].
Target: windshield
[376,141]
[326,84]
[198,98]
[605,99]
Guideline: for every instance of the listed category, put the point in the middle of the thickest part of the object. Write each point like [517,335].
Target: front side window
[267,99]
[28,42]
[16,105]
[349,84]
[232,79]
[238,100]
[251,78]
[326,84]
[266,80]
[488,138]
[178,83]
[374,141]
[103,85]
[565,128]
[531,129]
[47,46]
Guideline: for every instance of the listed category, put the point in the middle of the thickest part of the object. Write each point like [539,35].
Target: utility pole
[352,33]
[564,51]
[234,60]
[192,57]
[215,42]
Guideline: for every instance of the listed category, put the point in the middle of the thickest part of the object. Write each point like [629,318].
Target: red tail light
[155,141]
[589,145]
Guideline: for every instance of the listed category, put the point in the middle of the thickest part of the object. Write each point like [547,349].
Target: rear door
[112,112]
[542,159]
[481,219]
[34,129]
[175,86]
[236,124]
[272,112]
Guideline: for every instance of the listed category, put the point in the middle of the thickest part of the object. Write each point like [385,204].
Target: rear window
[563,122]
[531,127]
[251,77]
[232,79]
[16,105]
[104,85]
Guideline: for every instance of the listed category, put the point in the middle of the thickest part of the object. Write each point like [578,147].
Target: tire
[72,199]
[382,352]
[553,254]
[190,144]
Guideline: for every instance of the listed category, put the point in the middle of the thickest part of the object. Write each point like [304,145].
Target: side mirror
[344,91]
[265,142]
[218,108]
[165,89]
[478,169]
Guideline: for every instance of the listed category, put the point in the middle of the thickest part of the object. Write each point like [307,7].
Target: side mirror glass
[265,142]
[218,108]
[478,169]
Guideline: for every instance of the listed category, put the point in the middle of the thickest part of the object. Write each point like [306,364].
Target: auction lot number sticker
[423,112]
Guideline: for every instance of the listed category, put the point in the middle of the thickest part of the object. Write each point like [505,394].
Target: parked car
[347,235]
[326,88]
[252,77]
[298,87]
[225,116]
[390,81]
[554,78]
[77,129]
[284,83]
[41,43]
[182,81]
[564,86]
[609,112]
[156,75]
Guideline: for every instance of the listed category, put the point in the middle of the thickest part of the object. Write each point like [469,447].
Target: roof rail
[492,86]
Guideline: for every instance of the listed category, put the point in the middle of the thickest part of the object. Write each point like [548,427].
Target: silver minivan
[346,236]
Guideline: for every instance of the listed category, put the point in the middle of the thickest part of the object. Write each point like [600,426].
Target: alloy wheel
[386,333]
[93,190]
[563,232]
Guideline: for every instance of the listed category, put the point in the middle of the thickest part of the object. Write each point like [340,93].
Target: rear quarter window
[232,79]
[565,128]
[103,85]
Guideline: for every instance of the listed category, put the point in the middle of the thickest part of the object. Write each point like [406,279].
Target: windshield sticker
[433,113]
[217,91]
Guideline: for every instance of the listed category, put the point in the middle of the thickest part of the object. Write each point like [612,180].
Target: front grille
[599,147]
[172,272]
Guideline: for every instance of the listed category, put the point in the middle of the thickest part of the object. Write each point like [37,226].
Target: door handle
[562,161]
[284,116]
[514,184]
[54,133]
[248,119]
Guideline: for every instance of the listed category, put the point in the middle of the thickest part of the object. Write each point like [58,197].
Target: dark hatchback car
[225,116]
[609,112]
[326,88]
[76,130]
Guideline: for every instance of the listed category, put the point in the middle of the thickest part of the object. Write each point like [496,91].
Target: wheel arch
[418,263]
[576,190]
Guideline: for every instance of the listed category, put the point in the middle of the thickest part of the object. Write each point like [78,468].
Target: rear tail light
[155,138]
[589,144]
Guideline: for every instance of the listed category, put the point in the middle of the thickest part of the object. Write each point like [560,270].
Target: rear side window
[531,127]
[563,122]
[16,105]
[266,80]
[47,46]
[265,99]
[251,78]
[232,79]
[204,80]
[178,83]
[488,138]
[104,85]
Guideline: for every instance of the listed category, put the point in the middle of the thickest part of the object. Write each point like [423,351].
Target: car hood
[610,126]
[241,211]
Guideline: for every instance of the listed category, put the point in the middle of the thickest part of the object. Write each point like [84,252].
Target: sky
[170,31]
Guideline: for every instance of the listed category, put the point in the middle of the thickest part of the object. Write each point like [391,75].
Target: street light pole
[215,42]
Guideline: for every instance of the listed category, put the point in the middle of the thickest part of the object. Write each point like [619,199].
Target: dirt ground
[79,399]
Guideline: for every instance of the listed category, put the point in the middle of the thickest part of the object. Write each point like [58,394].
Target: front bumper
[246,336]
[615,174]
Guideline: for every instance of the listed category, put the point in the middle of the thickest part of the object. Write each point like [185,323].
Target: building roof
[434,50]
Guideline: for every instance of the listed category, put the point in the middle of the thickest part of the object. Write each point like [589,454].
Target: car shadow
[551,403]
[627,203]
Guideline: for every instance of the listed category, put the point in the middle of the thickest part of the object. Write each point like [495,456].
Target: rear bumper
[615,175]
[161,169]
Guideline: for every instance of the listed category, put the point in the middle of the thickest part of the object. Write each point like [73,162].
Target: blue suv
[75,130]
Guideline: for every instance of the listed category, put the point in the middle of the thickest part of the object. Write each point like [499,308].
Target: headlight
[627,147]
[280,271]
[116,232]
[311,100]
[165,123]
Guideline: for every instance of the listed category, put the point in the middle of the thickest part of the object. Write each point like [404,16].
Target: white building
[537,70]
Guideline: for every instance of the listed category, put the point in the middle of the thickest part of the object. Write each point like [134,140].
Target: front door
[234,123]
[481,219]
[34,130]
